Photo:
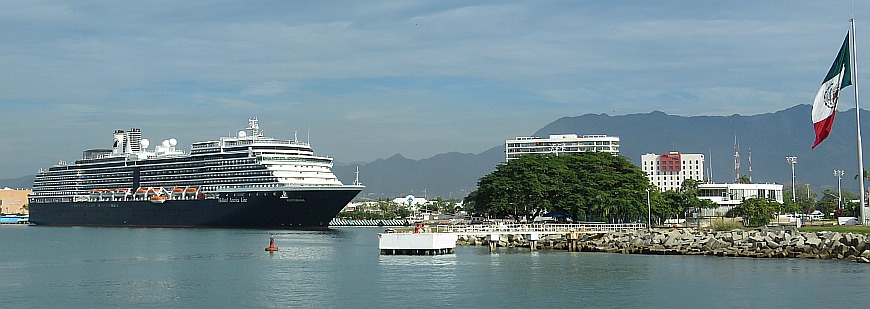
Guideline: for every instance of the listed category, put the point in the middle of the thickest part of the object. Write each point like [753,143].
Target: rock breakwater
[784,242]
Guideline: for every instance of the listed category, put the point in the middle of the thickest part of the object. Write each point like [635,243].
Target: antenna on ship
[254,126]
[356,181]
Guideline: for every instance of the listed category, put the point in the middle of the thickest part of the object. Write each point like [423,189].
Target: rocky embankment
[762,243]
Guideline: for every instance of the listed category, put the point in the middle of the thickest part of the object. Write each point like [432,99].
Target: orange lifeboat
[177,190]
[191,189]
[141,191]
[158,199]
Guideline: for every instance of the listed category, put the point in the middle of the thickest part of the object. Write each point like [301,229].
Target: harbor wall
[785,242]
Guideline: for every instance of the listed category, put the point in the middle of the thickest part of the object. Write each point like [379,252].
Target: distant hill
[25,182]
[771,137]
[446,175]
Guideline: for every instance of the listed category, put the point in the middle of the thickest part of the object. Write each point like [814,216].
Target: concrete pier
[573,245]
[416,243]
[493,242]
[532,238]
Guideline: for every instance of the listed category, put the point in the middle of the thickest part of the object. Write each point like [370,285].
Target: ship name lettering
[233,200]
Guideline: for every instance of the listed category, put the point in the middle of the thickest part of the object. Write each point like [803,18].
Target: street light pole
[808,191]
[648,211]
[839,174]
[792,160]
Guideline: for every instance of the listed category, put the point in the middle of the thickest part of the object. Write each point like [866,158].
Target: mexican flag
[825,104]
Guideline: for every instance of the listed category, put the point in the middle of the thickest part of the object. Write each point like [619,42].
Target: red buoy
[271,247]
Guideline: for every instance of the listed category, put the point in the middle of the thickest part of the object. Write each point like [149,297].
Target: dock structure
[417,243]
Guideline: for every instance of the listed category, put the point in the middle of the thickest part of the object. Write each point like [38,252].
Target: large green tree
[828,204]
[804,198]
[677,203]
[589,186]
[757,211]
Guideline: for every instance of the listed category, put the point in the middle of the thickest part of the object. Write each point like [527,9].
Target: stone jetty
[781,242]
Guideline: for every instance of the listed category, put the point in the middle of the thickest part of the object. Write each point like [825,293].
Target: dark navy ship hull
[289,209]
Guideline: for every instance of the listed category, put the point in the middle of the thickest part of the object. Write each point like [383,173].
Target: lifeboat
[177,190]
[191,189]
[158,199]
[141,191]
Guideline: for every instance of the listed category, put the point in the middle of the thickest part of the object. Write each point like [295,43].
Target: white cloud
[268,88]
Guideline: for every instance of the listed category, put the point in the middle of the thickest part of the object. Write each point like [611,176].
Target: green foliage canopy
[757,211]
[592,186]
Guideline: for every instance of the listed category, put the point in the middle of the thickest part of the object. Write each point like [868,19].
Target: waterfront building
[729,195]
[411,201]
[560,143]
[668,171]
[13,201]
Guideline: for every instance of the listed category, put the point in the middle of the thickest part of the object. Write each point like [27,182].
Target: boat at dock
[14,219]
[244,181]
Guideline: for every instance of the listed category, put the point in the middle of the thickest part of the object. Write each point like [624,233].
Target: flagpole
[854,59]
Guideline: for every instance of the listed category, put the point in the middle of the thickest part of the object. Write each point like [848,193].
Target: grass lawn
[858,229]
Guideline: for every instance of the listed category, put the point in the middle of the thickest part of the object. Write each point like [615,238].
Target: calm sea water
[79,267]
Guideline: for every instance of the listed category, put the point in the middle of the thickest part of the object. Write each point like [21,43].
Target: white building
[411,201]
[729,195]
[668,171]
[560,143]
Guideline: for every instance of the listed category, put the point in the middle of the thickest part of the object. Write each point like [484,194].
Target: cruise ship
[245,181]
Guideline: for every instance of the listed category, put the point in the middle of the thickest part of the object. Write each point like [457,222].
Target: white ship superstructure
[130,171]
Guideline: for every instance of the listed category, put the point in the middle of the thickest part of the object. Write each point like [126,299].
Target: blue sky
[370,79]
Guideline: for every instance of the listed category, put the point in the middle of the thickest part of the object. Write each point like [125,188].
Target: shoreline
[780,242]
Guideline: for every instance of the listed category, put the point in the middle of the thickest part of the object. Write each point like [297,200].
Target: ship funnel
[134,140]
[118,145]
